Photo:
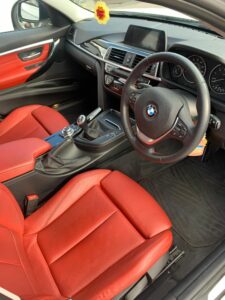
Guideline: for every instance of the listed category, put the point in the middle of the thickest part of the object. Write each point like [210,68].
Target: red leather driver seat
[98,235]
[33,121]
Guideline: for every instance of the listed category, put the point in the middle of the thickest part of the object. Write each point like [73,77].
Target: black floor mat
[193,195]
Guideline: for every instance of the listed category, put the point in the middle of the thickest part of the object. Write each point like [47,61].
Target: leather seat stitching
[46,225]
[40,250]
[90,233]
[21,262]
[123,257]
[10,264]
[123,213]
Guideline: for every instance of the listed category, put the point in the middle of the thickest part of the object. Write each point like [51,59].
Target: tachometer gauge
[199,62]
[177,71]
[217,79]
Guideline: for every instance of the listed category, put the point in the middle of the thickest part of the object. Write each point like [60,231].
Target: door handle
[30,55]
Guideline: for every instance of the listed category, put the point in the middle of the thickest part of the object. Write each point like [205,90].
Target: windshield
[136,7]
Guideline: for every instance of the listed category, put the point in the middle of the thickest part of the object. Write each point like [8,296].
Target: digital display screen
[146,38]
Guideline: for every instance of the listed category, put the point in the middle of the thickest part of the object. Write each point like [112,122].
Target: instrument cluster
[211,69]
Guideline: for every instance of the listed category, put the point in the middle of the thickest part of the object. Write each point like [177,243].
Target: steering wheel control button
[180,130]
[151,110]
[133,97]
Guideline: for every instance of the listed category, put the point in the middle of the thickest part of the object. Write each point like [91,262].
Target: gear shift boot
[100,134]
[93,130]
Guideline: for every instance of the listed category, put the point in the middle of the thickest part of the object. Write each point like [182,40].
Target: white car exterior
[5,15]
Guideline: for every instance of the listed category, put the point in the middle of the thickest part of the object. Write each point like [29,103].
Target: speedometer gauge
[177,71]
[199,62]
[217,79]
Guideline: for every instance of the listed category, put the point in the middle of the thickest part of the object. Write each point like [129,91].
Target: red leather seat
[98,235]
[31,121]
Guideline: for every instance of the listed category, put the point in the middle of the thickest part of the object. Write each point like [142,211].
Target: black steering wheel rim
[203,106]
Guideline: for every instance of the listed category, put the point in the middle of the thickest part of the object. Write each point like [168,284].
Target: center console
[78,147]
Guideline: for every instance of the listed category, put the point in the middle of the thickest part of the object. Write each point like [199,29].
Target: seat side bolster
[15,117]
[61,201]
[10,214]
[128,270]
[55,123]
[136,204]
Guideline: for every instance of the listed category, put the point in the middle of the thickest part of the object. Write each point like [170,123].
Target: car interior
[102,193]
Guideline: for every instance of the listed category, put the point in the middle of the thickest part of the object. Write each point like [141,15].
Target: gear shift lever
[92,131]
[82,123]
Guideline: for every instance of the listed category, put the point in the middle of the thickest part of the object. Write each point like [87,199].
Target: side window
[22,14]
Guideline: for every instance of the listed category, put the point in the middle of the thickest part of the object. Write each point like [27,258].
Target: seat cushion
[31,121]
[98,235]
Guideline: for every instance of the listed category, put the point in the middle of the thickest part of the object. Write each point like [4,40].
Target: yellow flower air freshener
[102,12]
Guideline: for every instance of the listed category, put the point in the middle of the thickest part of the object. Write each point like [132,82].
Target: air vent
[149,70]
[152,69]
[138,58]
[117,55]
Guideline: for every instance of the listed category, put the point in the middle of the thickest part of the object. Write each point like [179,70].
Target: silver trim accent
[50,41]
[112,123]
[94,114]
[110,62]
[150,142]
[68,132]
[217,292]
[55,45]
[31,56]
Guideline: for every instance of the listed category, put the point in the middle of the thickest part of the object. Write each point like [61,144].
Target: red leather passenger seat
[98,235]
[33,121]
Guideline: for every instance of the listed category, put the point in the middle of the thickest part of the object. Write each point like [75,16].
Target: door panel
[47,79]
[17,39]
[18,66]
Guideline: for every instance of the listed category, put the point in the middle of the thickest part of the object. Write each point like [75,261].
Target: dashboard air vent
[137,59]
[117,55]
[149,70]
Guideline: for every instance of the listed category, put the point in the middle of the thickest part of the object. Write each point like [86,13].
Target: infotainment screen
[146,38]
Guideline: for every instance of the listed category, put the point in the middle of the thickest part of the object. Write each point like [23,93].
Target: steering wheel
[163,114]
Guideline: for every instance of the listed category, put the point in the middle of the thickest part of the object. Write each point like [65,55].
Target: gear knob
[82,122]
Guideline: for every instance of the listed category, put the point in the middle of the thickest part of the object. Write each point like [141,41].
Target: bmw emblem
[151,110]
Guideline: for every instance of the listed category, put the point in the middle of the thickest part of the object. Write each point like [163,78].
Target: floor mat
[193,195]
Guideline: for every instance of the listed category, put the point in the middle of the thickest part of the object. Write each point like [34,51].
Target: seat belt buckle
[31,205]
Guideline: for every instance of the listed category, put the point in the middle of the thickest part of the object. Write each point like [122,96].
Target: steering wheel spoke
[180,130]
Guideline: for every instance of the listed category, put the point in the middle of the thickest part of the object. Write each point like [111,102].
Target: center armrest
[18,157]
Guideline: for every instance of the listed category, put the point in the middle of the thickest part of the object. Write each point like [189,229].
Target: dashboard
[121,45]
[111,52]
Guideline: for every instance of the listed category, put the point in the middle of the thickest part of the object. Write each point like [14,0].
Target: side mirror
[29,11]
